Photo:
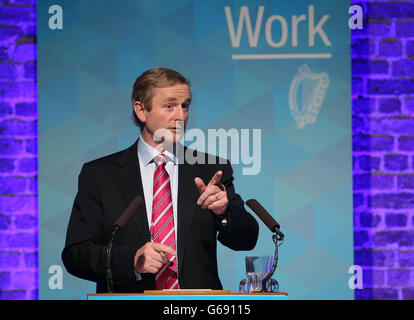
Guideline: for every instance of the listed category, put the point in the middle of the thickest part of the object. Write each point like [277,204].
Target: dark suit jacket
[106,188]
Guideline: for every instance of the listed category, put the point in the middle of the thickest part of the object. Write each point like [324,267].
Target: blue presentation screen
[273,77]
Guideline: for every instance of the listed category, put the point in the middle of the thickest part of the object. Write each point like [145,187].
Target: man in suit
[171,241]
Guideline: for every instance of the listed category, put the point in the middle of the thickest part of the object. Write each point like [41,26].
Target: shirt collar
[148,153]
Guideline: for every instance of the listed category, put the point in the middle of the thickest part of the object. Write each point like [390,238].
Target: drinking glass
[257,267]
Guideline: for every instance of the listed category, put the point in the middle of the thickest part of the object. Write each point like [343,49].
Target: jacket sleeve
[242,230]
[84,253]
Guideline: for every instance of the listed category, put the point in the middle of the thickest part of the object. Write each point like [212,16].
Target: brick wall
[18,150]
[383,144]
[383,149]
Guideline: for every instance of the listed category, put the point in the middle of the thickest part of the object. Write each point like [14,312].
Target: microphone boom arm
[119,224]
[277,236]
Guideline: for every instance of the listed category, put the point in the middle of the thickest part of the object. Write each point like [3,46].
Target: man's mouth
[176,130]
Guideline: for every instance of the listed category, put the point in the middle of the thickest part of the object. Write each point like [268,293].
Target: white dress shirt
[147,166]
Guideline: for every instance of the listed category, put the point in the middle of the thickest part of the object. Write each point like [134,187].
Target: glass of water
[257,267]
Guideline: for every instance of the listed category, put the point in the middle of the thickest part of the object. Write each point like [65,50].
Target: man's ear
[139,110]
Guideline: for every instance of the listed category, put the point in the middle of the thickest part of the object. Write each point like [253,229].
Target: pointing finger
[216,178]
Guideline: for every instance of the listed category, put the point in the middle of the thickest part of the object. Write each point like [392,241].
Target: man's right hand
[150,258]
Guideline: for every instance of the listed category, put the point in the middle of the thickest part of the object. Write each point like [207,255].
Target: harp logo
[306,94]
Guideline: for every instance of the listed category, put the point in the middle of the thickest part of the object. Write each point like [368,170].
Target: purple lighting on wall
[383,149]
[18,151]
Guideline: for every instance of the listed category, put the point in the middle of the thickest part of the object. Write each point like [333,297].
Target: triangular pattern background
[86,72]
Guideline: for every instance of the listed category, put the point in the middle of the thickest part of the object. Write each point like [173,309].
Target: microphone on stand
[118,226]
[265,216]
[274,226]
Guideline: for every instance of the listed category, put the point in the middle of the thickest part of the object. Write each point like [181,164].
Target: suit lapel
[129,180]
[187,197]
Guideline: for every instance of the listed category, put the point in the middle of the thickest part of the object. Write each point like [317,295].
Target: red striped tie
[162,226]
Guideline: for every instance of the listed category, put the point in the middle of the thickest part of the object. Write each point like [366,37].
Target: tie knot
[160,159]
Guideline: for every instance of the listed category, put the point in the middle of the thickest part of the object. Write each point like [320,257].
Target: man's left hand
[213,196]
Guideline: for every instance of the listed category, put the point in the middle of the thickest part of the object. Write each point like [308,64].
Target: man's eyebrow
[173,99]
[170,99]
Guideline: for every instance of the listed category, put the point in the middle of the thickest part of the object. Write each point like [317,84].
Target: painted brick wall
[383,149]
[18,150]
[383,144]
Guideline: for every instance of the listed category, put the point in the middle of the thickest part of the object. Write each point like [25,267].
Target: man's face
[168,114]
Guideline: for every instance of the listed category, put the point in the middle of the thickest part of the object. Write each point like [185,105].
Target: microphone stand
[119,224]
[109,279]
[277,237]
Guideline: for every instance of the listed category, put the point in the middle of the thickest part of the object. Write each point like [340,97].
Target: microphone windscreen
[129,212]
[263,214]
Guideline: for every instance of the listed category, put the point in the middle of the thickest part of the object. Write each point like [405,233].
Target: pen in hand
[162,254]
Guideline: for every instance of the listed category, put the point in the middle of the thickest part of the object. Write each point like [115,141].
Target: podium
[200,295]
